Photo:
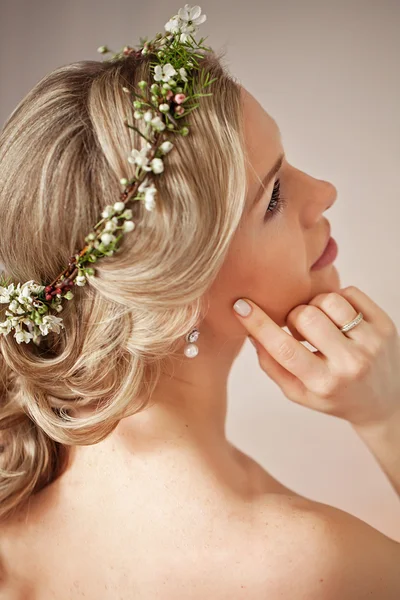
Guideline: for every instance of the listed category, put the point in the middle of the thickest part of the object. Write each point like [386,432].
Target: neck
[190,399]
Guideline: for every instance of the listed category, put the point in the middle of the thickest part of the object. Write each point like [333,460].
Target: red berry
[58,291]
[49,297]
[48,288]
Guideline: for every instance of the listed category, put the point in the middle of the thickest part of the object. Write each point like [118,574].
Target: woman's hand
[354,375]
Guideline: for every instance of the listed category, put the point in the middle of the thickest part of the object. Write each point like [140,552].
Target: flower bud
[124,181]
[107,238]
[142,84]
[128,226]
[103,50]
[119,206]
[137,104]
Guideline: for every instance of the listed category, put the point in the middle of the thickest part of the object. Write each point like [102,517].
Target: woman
[139,494]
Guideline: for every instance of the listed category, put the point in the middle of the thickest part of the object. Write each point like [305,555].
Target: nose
[320,196]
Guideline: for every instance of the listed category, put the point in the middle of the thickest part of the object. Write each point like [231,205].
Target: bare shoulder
[327,553]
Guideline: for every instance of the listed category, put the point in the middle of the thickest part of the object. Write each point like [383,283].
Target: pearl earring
[191,350]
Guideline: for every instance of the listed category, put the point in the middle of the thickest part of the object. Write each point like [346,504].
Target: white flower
[148,115]
[190,17]
[164,107]
[157,165]
[50,323]
[137,114]
[165,147]
[107,238]
[149,191]
[5,293]
[110,226]
[182,73]
[107,212]
[164,73]
[158,124]
[185,22]
[23,336]
[119,206]
[172,25]
[139,157]
[5,327]
[149,203]
[127,214]
[128,226]
[16,307]
[80,280]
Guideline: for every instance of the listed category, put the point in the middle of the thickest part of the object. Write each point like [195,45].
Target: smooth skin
[166,507]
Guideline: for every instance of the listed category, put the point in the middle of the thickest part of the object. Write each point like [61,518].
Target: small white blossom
[148,115]
[164,73]
[158,124]
[107,212]
[107,238]
[128,226]
[110,226]
[50,323]
[182,73]
[137,114]
[166,146]
[80,280]
[149,203]
[164,107]
[157,165]
[172,25]
[139,157]
[189,20]
[119,206]
[16,308]
[5,293]
[23,336]
[127,214]
[149,191]
[5,327]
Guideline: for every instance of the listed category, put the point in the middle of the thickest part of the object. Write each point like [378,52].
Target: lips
[328,237]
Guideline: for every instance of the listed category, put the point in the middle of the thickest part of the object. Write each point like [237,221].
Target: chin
[327,279]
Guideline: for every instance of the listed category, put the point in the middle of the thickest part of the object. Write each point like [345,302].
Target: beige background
[328,73]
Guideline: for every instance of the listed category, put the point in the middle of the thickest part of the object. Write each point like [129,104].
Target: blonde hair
[63,151]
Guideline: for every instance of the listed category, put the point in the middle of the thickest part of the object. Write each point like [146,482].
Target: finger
[291,386]
[283,347]
[371,311]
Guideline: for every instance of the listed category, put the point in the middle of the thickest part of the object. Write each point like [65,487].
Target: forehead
[262,139]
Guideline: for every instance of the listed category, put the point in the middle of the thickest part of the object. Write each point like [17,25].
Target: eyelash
[278,201]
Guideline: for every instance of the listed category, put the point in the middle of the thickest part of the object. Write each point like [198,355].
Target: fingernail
[242,307]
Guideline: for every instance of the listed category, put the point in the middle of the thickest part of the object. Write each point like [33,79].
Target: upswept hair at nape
[63,151]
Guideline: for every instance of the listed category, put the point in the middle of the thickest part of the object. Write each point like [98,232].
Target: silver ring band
[353,323]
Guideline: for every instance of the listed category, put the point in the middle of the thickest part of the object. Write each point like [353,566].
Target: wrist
[384,427]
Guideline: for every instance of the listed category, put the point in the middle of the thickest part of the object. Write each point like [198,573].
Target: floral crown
[169,100]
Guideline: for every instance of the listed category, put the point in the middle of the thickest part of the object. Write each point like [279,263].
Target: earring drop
[191,350]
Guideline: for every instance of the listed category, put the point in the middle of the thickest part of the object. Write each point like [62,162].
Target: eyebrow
[265,182]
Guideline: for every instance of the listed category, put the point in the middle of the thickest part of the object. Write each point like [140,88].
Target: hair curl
[63,151]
